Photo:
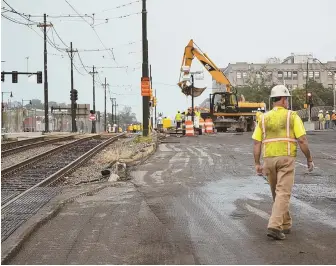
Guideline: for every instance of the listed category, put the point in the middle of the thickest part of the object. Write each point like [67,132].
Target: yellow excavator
[226,110]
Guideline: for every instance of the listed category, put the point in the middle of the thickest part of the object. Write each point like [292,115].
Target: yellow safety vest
[198,114]
[138,127]
[320,116]
[178,117]
[258,115]
[134,127]
[278,133]
[327,117]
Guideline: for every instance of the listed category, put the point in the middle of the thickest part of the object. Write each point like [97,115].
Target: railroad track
[24,146]
[14,144]
[27,186]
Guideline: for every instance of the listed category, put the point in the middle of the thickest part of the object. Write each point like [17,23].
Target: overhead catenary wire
[113,57]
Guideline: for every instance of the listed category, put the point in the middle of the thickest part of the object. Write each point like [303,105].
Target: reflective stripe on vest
[288,139]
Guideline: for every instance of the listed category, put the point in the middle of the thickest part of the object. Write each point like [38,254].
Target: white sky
[228,31]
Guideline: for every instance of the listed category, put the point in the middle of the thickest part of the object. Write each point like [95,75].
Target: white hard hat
[334,111]
[280,91]
[320,111]
[327,112]
[259,109]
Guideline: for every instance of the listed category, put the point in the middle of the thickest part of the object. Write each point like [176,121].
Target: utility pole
[73,110]
[112,120]
[145,99]
[105,121]
[155,106]
[46,107]
[93,130]
[151,86]
[115,110]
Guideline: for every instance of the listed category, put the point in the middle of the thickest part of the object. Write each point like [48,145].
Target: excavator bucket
[187,89]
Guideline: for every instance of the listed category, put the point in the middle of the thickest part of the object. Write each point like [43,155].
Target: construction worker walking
[333,119]
[321,120]
[278,132]
[327,120]
[178,119]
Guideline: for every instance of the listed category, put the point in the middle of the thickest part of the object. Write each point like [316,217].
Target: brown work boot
[275,234]
[287,231]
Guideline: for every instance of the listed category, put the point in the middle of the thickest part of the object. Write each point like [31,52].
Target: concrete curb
[23,233]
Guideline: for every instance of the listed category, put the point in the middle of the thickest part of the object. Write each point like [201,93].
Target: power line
[120,6]
[59,36]
[92,29]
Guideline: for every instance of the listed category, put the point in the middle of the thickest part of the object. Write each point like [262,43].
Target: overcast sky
[228,31]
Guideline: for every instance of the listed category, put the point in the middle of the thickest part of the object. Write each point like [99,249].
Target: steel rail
[32,145]
[74,164]
[18,166]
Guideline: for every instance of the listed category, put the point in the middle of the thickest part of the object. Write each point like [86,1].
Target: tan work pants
[280,172]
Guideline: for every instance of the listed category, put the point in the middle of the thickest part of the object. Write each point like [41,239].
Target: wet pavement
[196,201]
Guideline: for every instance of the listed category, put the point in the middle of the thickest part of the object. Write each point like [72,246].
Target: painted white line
[138,177]
[258,212]
[163,147]
[157,177]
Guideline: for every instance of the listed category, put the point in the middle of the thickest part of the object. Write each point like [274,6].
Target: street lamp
[3,106]
[333,71]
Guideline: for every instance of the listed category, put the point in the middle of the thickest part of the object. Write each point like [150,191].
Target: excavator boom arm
[190,52]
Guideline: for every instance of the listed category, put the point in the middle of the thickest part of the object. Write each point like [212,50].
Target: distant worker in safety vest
[134,128]
[327,120]
[333,118]
[258,115]
[279,132]
[321,120]
[178,119]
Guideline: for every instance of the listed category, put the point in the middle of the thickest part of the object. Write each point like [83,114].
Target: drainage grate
[19,211]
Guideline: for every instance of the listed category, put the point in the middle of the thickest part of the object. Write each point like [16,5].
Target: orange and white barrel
[202,125]
[209,126]
[189,127]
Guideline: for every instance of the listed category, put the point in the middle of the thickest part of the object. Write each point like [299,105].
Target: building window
[304,74]
[288,74]
[280,74]
[238,75]
[329,73]
[295,86]
[258,75]
[289,86]
[244,75]
[295,75]
[317,74]
[330,86]
[311,74]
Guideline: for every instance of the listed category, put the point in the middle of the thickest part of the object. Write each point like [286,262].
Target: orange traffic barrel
[189,127]
[209,126]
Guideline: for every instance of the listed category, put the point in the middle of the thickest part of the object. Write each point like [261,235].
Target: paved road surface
[196,202]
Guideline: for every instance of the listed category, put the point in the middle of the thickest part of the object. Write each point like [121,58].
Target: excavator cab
[223,102]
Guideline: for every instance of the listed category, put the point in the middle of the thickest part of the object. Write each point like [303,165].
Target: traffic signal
[14,77]
[2,107]
[2,77]
[39,76]
[71,95]
[310,98]
[75,95]
[150,104]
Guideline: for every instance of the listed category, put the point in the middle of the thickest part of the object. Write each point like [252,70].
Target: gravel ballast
[119,151]
[26,154]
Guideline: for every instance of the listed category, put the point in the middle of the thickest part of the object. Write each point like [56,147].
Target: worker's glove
[259,169]
[310,165]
